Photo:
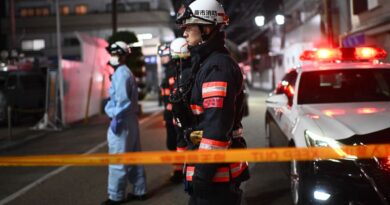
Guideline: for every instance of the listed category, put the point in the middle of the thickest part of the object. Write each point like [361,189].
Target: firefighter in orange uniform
[216,102]
[167,86]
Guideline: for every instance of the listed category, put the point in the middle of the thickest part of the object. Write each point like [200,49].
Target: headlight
[315,140]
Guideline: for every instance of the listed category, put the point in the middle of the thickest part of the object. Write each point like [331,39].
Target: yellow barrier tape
[214,156]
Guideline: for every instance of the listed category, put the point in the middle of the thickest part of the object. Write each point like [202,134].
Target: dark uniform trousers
[224,194]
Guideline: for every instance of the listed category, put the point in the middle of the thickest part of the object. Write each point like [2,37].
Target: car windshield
[349,85]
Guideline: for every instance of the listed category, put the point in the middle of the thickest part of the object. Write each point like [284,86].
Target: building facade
[370,24]
[308,24]
[36,36]
[35,23]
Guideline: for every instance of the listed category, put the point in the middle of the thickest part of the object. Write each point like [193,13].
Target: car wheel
[298,186]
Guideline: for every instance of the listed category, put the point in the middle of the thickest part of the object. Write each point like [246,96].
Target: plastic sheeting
[86,83]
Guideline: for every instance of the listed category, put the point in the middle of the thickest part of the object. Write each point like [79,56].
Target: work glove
[196,137]
[115,125]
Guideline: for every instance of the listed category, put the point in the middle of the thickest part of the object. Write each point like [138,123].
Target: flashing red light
[369,53]
[323,54]
[328,54]
[333,54]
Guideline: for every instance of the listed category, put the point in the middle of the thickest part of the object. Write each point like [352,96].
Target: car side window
[287,86]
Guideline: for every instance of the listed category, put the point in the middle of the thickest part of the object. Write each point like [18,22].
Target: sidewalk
[24,134]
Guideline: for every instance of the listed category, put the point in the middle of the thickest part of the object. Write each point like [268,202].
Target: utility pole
[59,54]
[328,21]
[12,23]
[114,16]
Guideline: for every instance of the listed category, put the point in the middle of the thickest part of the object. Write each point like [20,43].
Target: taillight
[385,163]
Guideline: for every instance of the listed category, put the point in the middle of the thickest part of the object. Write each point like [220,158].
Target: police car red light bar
[333,54]
[323,54]
[369,53]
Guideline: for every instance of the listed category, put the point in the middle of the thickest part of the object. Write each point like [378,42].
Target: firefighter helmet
[179,49]
[209,12]
[119,48]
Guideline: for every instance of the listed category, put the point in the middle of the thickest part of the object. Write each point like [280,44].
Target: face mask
[114,60]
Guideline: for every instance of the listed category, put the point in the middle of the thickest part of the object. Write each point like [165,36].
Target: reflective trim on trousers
[223,173]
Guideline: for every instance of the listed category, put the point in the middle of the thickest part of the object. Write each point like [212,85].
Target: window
[360,6]
[33,45]
[139,6]
[340,86]
[372,4]
[39,11]
[69,42]
[81,9]
[23,12]
[65,10]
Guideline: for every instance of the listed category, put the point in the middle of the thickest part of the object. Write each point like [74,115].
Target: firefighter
[123,133]
[167,86]
[180,97]
[216,101]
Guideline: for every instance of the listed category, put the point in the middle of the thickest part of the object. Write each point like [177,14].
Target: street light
[279,19]
[259,20]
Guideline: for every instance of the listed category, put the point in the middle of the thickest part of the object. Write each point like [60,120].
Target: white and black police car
[336,97]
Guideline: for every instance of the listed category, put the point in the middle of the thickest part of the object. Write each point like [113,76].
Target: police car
[336,97]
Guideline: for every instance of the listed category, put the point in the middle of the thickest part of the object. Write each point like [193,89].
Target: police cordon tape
[213,156]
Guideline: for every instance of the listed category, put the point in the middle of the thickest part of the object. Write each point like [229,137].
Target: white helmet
[179,49]
[119,48]
[202,12]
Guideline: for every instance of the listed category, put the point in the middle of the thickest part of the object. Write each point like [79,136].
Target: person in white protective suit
[123,133]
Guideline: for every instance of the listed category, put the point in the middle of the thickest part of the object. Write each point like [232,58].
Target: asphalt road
[87,185]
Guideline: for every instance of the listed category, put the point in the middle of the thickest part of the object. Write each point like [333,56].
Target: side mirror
[277,101]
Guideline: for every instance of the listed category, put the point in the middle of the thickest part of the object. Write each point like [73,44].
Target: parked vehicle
[343,98]
[24,92]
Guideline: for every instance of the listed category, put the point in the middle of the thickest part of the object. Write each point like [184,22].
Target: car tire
[298,182]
